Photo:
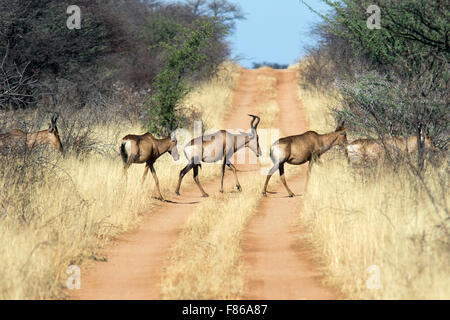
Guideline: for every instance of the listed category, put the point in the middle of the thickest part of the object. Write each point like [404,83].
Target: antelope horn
[176,124]
[168,127]
[54,117]
[255,118]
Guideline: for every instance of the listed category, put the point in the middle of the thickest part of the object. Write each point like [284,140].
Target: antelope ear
[341,126]
[55,117]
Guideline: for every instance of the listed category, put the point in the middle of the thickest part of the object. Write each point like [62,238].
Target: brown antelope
[17,137]
[298,149]
[146,148]
[219,146]
[362,150]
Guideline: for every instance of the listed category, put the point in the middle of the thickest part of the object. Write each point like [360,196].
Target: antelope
[32,139]
[219,146]
[298,149]
[146,148]
[372,149]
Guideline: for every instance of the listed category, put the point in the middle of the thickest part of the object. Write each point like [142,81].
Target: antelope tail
[123,153]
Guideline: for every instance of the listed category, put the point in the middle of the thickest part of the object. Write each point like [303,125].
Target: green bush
[42,62]
[398,80]
[170,85]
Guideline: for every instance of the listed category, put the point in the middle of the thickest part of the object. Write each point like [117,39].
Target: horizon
[283,42]
[292,20]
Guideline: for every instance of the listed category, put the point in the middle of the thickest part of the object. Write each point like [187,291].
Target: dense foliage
[394,80]
[112,55]
[184,55]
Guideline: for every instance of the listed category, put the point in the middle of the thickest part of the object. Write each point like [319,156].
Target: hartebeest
[146,148]
[302,148]
[362,150]
[17,137]
[219,146]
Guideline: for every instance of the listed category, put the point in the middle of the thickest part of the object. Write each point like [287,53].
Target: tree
[170,85]
[403,87]
[225,12]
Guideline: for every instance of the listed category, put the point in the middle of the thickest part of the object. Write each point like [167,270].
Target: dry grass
[210,97]
[73,215]
[77,207]
[69,214]
[206,260]
[376,216]
[267,84]
[318,110]
[382,219]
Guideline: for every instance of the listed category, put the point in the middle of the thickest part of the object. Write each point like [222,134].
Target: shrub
[170,86]
[400,83]
[272,65]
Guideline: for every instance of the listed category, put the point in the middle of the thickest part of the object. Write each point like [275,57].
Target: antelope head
[253,136]
[341,138]
[53,135]
[425,137]
[172,148]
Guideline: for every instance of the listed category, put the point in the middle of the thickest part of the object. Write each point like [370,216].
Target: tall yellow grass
[84,208]
[72,217]
[360,218]
[210,97]
[318,107]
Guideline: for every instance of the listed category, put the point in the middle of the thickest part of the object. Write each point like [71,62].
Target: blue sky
[274,31]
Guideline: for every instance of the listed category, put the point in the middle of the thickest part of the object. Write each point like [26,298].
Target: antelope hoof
[221,191]
[264,194]
[291,195]
[239,188]
[160,198]
[177,193]
[205,195]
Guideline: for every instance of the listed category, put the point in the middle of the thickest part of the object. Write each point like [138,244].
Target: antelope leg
[197,181]
[291,194]
[152,170]
[223,174]
[147,166]
[183,172]
[269,175]
[129,162]
[230,165]
[238,185]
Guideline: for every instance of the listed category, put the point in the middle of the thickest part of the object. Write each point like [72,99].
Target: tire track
[279,264]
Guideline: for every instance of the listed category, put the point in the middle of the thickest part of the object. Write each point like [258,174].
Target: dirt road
[278,262]
[137,259]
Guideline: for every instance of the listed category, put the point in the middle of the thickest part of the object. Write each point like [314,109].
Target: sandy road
[278,262]
[137,259]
